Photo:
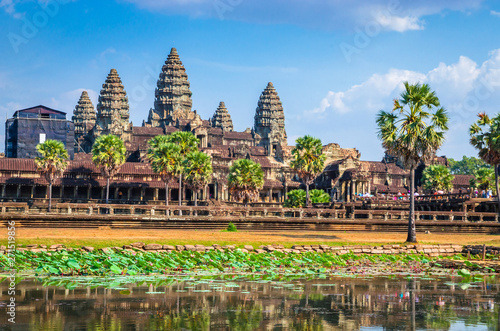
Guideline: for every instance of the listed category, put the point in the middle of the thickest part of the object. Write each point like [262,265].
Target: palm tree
[197,171]
[165,159]
[52,162]
[157,141]
[485,137]
[245,180]
[413,131]
[308,160]
[483,178]
[188,143]
[108,153]
[437,177]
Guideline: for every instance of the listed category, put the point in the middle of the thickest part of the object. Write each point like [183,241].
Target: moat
[256,302]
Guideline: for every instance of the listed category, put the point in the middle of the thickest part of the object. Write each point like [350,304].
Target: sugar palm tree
[187,143]
[108,153]
[52,162]
[485,137]
[437,177]
[198,170]
[308,160]
[245,180]
[165,160]
[157,141]
[413,131]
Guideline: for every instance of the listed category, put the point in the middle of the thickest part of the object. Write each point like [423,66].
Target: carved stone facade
[222,119]
[113,109]
[172,96]
[84,117]
[269,126]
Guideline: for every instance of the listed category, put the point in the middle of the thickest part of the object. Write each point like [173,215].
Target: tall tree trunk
[180,190]
[498,190]
[107,190]
[307,194]
[50,195]
[412,231]
[166,193]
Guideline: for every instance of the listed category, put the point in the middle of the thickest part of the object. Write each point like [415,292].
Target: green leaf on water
[115,269]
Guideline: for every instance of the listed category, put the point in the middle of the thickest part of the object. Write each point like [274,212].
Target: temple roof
[222,119]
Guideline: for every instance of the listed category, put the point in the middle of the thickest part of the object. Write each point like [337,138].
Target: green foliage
[414,129]
[437,177]
[297,198]
[466,166]
[231,227]
[108,153]
[308,160]
[245,180]
[319,196]
[185,140]
[485,137]
[197,168]
[484,178]
[52,160]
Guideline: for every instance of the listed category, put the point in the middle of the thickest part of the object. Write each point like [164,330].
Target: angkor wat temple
[266,143]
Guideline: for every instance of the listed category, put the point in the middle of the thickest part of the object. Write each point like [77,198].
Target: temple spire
[172,95]
[222,118]
[113,109]
[84,117]
[269,126]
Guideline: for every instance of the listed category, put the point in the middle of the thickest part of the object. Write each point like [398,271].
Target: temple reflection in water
[206,304]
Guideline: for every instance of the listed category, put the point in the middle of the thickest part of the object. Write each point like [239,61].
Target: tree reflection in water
[294,304]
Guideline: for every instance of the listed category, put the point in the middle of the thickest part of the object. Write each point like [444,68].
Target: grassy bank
[106,237]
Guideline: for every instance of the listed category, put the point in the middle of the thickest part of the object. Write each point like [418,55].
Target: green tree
[197,171]
[187,143]
[437,177]
[165,160]
[485,137]
[413,131]
[245,180]
[108,154]
[297,198]
[51,163]
[466,166]
[308,160]
[484,178]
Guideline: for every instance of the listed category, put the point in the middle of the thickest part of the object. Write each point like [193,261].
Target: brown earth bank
[106,237]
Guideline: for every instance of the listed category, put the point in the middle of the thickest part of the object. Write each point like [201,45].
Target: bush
[297,198]
[231,227]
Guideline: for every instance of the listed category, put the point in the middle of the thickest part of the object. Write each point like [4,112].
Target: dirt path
[117,237]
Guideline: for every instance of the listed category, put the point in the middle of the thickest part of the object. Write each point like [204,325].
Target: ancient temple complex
[344,176]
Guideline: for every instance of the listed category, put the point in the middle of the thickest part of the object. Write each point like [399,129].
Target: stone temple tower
[172,95]
[84,117]
[269,126]
[113,109]
[222,119]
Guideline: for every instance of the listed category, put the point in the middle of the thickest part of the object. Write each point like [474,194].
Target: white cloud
[399,24]
[495,13]
[323,14]
[464,89]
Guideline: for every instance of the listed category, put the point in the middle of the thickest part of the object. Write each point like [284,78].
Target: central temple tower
[269,126]
[172,94]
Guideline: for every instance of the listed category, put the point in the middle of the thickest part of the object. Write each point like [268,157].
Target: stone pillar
[280,197]
[270,195]
[61,191]
[32,191]
[18,192]
[103,193]
[348,191]
[115,197]
[129,193]
[142,193]
[156,194]
[3,190]
[89,191]
[75,192]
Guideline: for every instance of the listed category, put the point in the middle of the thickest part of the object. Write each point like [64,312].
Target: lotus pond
[240,291]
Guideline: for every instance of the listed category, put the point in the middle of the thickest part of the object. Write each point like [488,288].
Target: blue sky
[334,63]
